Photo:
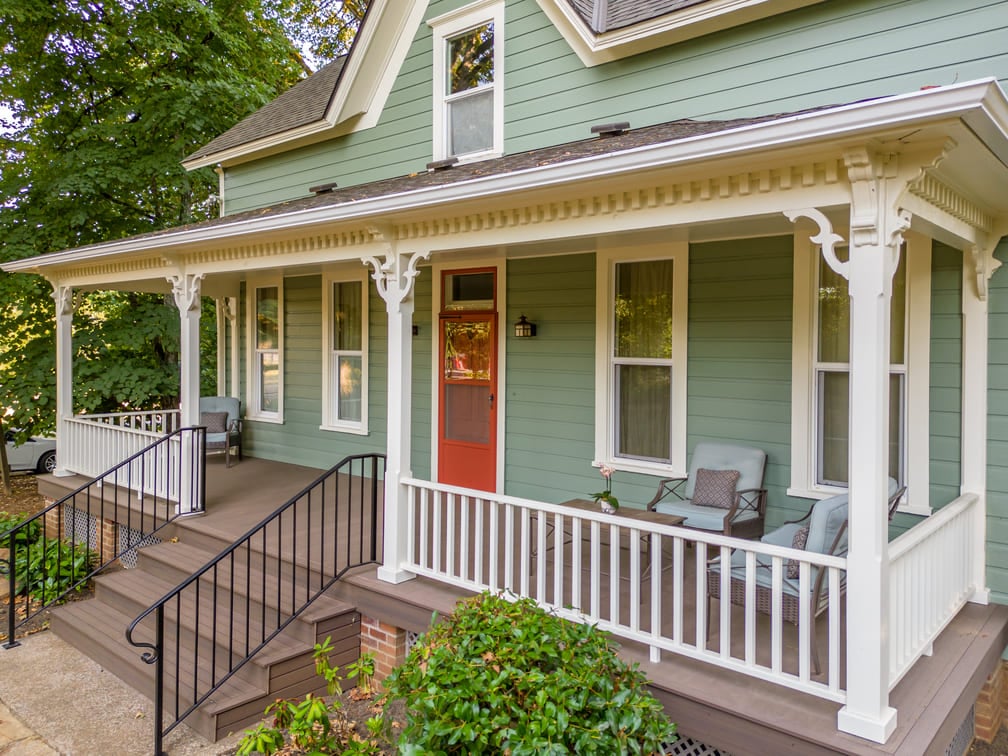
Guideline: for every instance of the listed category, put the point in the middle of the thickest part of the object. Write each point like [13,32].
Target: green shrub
[508,677]
[29,534]
[44,568]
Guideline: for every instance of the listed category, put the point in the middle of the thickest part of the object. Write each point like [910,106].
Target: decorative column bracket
[826,238]
[395,277]
[983,260]
[186,289]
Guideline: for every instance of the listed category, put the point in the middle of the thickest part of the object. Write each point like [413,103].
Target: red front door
[467,426]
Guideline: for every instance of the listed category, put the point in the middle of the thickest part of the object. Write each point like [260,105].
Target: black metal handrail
[265,580]
[135,494]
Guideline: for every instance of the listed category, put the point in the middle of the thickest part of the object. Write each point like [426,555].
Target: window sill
[642,468]
[356,430]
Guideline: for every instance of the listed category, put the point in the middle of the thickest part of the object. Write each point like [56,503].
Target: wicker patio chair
[824,530]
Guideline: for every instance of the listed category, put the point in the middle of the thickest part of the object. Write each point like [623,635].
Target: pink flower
[606,471]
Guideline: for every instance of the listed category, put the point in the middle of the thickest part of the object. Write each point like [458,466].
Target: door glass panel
[467,413]
[467,350]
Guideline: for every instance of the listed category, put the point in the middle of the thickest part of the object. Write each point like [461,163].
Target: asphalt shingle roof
[304,103]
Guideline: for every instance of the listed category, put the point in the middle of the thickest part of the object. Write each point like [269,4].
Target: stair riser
[123,599]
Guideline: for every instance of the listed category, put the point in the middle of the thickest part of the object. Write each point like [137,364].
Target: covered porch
[745,214]
[704,685]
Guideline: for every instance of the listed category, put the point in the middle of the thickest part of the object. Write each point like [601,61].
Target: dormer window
[468,82]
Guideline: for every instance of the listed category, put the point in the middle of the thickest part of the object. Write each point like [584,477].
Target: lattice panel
[411,639]
[963,738]
[80,527]
[131,539]
[685,746]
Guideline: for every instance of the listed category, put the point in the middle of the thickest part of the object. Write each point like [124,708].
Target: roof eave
[981,105]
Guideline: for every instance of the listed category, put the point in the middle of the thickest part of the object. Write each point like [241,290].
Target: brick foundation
[386,642]
[991,704]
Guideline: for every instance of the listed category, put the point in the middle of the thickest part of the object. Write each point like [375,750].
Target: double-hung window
[265,307]
[640,378]
[832,376]
[345,354]
[820,387]
[468,82]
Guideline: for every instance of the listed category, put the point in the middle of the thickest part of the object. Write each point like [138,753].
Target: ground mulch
[24,497]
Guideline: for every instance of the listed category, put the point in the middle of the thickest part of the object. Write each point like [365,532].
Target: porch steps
[284,668]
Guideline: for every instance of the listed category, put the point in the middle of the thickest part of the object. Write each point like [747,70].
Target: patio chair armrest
[666,486]
[749,498]
[894,500]
[235,426]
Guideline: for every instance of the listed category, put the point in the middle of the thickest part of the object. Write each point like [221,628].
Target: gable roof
[344,96]
[303,104]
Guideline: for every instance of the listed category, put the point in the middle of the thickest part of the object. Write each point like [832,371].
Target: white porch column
[977,269]
[876,236]
[227,330]
[394,279]
[63,296]
[186,290]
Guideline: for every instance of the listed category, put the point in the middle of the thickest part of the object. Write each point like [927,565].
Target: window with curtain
[346,353]
[267,350]
[832,375]
[641,360]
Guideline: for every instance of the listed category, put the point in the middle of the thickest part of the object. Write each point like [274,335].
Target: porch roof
[968,121]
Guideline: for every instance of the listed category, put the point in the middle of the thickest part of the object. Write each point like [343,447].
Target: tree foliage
[99,102]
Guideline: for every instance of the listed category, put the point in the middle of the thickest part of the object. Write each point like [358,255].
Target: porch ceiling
[708,180]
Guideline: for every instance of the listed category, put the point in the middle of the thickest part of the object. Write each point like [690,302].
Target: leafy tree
[99,102]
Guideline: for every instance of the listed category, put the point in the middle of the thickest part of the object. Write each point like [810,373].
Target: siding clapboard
[824,54]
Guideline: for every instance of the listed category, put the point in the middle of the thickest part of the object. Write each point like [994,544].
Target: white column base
[869,728]
[394,575]
[980,596]
[62,472]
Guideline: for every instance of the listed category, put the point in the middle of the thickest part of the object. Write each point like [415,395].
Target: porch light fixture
[524,329]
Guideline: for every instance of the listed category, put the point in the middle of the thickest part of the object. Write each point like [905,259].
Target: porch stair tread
[283,668]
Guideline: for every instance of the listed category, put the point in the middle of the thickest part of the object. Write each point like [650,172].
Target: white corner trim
[678,26]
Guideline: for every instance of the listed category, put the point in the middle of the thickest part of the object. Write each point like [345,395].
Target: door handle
[491,398]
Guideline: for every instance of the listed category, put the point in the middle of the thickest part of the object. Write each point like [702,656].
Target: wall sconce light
[524,329]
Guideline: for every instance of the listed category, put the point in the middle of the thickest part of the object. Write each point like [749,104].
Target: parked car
[36,454]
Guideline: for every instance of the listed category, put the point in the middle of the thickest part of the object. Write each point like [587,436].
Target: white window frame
[448,26]
[916,371]
[254,409]
[605,381]
[330,356]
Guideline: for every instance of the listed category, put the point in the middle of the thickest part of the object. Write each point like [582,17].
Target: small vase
[606,507]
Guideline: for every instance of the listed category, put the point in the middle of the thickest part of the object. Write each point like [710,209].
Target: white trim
[499,264]
[982,103]
[917,372]
[253,411]
[605,265]
[678,26]
[445,27]
[329,279]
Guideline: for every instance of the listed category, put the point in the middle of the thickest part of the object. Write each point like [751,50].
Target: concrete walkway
[53,699]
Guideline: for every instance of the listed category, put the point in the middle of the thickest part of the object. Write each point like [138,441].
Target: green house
[506,242]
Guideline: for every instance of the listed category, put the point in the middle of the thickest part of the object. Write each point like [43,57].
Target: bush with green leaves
[505,676]
[44,568]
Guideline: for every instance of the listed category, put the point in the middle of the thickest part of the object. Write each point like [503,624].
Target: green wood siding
[550,380]
[946,373]
[997,429]
[828,53]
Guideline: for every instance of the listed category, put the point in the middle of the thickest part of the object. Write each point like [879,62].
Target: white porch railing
[632,578]
[92,444]
[930,579]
